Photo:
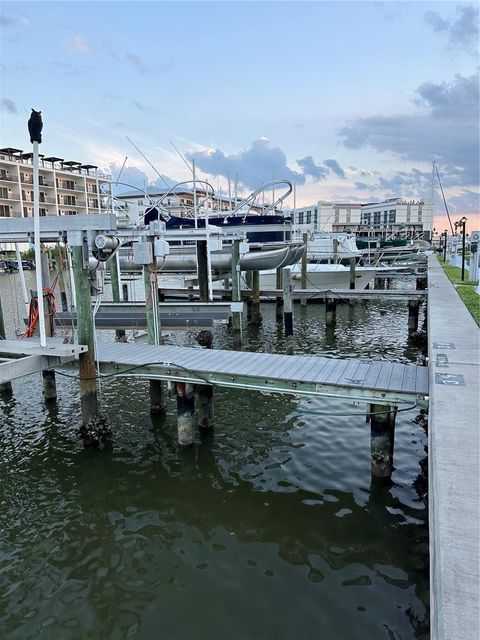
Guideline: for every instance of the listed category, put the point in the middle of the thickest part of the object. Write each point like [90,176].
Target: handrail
[253,196]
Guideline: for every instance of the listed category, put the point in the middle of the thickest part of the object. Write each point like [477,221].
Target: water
[270,528]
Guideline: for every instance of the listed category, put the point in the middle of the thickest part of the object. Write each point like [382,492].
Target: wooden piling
[236,315]
[279,299]
[413,309]
[303,282]
[61,278]
[421,283]
[187,432]
[204,401]
[112,265]
[154,330]
[288,308]
[330,311]
[48,375]
[352,273]
[85,332]
[382,434]
[256,317]
[202,269]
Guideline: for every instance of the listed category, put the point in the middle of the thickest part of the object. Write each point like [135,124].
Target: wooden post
[187,432]
[304,268]
[335,251]
[421,283]
[61,278]
[330,311]
[249,279]
[202,269]
[352,273]
[5,387]
[413,308]
[112,265]
[288,308]
[48,375]
[382,434]
[85,332]
[154,329]
[256,317]
[279,300]
[204,399]
[236,315]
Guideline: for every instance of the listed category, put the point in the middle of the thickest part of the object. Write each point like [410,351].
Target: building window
[409,212]
[348,216]
[3,192]
[5,210]
[3,174]
[420,214]
[337,215]
[309,217]
[376,218]
[385,217]
[392,217]
[300,217]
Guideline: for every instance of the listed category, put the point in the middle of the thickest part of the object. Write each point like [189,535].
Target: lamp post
[445,235]
[463,222]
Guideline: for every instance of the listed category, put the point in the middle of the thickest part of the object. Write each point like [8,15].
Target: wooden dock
[369,381]
[319,295]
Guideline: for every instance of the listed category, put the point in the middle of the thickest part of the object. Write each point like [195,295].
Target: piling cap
[35,126]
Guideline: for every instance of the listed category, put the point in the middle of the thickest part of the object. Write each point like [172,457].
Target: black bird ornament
[35,126]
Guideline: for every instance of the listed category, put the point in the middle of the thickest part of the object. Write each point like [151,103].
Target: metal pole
[445,246]
[49,382]
[36,228]
[236,315]
[22,279]
[304,268]
[463,249]
[116,290]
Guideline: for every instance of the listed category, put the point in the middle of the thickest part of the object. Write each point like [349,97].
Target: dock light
[461,223]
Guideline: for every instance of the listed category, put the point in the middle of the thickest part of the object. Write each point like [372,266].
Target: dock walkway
[454,496]
[374,381]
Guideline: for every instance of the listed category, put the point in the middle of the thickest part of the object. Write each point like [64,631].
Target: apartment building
[66,187]
[409,218]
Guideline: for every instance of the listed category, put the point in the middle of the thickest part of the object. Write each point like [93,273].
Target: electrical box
[157,227]
[161,248]
[142,253]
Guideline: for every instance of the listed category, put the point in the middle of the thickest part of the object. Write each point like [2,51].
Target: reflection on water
[270,528]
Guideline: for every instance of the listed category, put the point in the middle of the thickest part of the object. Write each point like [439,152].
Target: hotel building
[408,218]
[67,188]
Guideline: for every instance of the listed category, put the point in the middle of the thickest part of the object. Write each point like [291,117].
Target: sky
[352,101]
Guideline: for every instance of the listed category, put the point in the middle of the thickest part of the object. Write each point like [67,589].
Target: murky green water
[269,529]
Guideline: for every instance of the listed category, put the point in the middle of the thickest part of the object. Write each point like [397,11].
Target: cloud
[8,20]
[311,169]
[445,127]
[72,70]
[335,167]
[132,178]
[79,44]
[144,68]
[461,33]
[254,165]
[8,105]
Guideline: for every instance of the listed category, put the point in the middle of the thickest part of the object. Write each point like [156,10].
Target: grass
[466,289]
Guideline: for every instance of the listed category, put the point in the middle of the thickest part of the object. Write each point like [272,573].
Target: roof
[10,150]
